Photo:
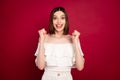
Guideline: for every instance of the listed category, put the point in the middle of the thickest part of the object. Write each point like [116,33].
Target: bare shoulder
[69,38]
[47,37]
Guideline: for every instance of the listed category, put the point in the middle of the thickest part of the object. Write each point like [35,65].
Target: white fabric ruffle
[59,54]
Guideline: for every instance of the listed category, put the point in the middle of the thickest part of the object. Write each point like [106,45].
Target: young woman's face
[59,21]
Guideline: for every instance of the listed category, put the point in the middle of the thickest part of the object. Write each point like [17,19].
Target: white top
[61,54]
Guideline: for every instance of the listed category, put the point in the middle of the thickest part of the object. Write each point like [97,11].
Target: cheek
[63,21]
[54,21]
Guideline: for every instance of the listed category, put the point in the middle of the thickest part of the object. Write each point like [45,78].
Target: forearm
[79,59]
[41,58]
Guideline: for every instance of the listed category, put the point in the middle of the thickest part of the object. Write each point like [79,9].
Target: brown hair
[51,28]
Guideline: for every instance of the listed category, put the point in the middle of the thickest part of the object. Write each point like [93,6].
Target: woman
[58,51]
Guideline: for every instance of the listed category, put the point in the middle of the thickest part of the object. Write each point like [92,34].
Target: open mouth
[59,25]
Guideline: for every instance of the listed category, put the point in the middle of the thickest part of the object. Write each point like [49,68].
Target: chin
[59,30]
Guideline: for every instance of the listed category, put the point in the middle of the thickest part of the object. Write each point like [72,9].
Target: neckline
[59,43]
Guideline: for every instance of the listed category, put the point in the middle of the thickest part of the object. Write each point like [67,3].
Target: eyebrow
[61,15]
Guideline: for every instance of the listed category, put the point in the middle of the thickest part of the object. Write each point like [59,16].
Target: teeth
[59,25]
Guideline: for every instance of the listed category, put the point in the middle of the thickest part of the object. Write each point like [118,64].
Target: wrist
[41,40]
[41,43]
[75,41]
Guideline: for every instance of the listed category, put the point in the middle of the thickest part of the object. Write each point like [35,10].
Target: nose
[58,21]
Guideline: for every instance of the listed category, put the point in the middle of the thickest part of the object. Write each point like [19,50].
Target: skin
[58,37]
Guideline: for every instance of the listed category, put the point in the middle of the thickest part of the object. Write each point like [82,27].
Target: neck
[59,34]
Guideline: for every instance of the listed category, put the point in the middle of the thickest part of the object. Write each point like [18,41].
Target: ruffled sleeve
[81,52]
[37,50]
[80,49]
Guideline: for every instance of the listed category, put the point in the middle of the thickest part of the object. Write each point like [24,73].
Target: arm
[79,59]
[40,60]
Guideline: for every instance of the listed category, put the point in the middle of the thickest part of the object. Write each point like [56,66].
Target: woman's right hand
[42,34]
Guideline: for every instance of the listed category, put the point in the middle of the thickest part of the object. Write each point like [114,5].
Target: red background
[97,20]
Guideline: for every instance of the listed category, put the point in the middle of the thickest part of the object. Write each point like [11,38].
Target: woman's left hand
[75,36]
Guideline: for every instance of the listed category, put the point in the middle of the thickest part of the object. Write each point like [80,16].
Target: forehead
[57,13]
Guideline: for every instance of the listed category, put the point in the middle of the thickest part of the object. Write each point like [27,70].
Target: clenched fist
[75,36]
[42,34]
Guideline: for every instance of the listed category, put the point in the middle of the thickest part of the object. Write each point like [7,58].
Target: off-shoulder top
[61,54]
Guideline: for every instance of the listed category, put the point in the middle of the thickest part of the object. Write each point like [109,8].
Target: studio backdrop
[96,20]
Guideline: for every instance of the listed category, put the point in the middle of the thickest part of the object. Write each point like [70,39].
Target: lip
[59,25]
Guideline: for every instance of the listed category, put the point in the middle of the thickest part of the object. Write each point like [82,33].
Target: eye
[54,18]
[62,17]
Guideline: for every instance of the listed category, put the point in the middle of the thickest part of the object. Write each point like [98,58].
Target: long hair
[51,27]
